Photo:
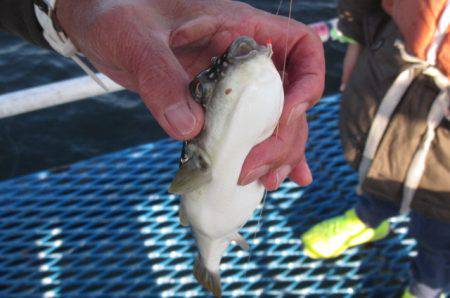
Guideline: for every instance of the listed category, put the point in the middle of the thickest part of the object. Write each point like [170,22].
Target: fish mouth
[244,48]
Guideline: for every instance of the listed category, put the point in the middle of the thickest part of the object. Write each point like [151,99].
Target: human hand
[156,47]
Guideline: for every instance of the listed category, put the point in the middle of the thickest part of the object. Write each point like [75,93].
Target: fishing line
[283,74]
[286,43]
[258,228]
[263,203]
[279,7]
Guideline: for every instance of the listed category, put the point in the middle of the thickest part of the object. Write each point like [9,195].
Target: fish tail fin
[208,279]
[207,263]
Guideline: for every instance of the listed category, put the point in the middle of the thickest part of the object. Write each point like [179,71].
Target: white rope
[441,30]
[417,167]
[382,119]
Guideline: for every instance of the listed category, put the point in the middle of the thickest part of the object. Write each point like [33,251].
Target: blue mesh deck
[106,227]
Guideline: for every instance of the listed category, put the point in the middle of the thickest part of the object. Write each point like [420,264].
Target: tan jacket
[378,66]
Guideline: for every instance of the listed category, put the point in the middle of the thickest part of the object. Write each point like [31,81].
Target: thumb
[350,59]
[163,85]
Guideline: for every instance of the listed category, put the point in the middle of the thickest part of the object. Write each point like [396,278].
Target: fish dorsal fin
[182,216]
[240,241]
[194,172]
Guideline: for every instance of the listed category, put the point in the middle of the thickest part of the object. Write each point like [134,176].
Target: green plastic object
[407,294]
[337,35]
[332,237]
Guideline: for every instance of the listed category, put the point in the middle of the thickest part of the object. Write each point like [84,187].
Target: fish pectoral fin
[193,173]
[182,216]
[189,179]
[240,241]
[210,280]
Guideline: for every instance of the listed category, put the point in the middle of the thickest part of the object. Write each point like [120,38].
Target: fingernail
[304,174]
[255,174]
[308,175]
[181,118]
[282,173]
[342,87]
[297,112]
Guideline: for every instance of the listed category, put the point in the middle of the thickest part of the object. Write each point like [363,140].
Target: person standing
[395,131]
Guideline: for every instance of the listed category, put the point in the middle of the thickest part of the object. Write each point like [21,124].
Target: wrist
[54,33]
[70,16]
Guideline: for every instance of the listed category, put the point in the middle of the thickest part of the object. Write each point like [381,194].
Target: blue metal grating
[106,227]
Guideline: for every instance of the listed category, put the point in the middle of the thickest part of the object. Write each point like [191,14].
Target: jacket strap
[438,111]
[439,35]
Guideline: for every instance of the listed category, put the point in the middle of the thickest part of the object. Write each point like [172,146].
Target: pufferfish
[242,95]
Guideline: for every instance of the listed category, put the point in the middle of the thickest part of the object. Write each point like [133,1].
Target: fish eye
[202,87]
[198,90]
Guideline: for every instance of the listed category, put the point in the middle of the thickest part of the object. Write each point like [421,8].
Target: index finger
[305,70]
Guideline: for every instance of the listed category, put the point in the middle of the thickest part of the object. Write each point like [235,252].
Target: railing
[45,96]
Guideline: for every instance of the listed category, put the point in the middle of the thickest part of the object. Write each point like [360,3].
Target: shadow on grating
[107,227]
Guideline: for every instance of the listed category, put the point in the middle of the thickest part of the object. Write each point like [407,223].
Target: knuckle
[244,9]
[107,16]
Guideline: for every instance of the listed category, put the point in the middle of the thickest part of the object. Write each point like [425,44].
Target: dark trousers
[431,267]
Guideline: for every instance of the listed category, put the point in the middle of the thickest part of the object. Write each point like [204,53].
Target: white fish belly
[244,112]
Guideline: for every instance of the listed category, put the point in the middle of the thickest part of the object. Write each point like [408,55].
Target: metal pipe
[50,95]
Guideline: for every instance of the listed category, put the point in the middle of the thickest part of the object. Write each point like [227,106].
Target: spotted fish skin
[243,97]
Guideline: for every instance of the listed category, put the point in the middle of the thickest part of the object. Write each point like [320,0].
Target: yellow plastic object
[333,236]
[407,294]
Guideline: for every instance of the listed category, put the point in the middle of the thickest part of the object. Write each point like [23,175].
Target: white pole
[46,96]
